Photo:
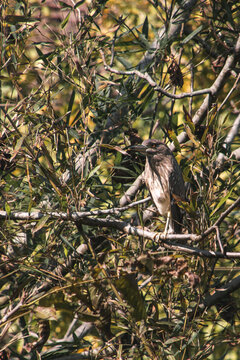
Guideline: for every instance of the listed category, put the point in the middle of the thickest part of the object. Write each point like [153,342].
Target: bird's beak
[139,148]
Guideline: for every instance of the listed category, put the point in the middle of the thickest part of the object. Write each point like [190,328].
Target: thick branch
[219,294]
[132,190]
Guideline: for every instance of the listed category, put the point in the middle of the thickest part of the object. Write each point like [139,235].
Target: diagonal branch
[229,139]
[215,88]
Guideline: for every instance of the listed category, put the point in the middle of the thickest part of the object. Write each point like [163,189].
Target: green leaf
[65,5]
[188,120]
[173,340]
[193,337]
[41,223]
[174,138]
[42,56]
[124,62]
[127,285]
[67,242]
[128,171]
[18,146]
[7,209]
[145,28]
[70,105]
[191,36]
[93,171]
[114,147]
[45,313]
[15,19]
[73,133]
[78,4]
[221,202]
[65,21]
[143,41]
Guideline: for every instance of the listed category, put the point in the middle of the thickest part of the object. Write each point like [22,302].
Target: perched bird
[163,177]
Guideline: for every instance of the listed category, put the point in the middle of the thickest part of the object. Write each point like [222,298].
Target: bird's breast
[159,189]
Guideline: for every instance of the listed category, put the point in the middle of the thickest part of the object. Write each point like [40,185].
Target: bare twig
[219,239]
[152,83]
[132,230]
[221,218]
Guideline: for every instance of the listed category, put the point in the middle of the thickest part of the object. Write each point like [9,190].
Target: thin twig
[221,218]
[219,239]
[152,83]
[166,240]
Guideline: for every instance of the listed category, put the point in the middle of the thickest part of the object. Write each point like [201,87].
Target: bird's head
[152,147]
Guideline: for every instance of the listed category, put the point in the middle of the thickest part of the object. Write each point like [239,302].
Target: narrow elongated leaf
[145,27]
[78,4]
[72,132]
[40,224]
[221,202]
[15,19]
[42,312]
[127,285]
[65,21]
[115,147]
[189,120]
[7,208]
[93,171]
[70,105]
[41,55]
[174,138]
[191,36]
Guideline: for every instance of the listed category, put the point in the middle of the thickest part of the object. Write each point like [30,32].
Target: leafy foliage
[88,285]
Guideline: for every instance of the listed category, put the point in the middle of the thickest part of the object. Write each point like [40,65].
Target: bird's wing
[176,182]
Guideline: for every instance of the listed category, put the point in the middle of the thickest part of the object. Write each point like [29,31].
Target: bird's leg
[167,224]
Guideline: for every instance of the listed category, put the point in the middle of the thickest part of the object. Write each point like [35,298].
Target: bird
[164,180]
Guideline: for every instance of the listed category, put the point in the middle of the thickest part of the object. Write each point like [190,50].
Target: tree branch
[215,88]
[180,15]
[222,292]
[132,230]
[152,83]
[229,139]
[221,218]
[132,190]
